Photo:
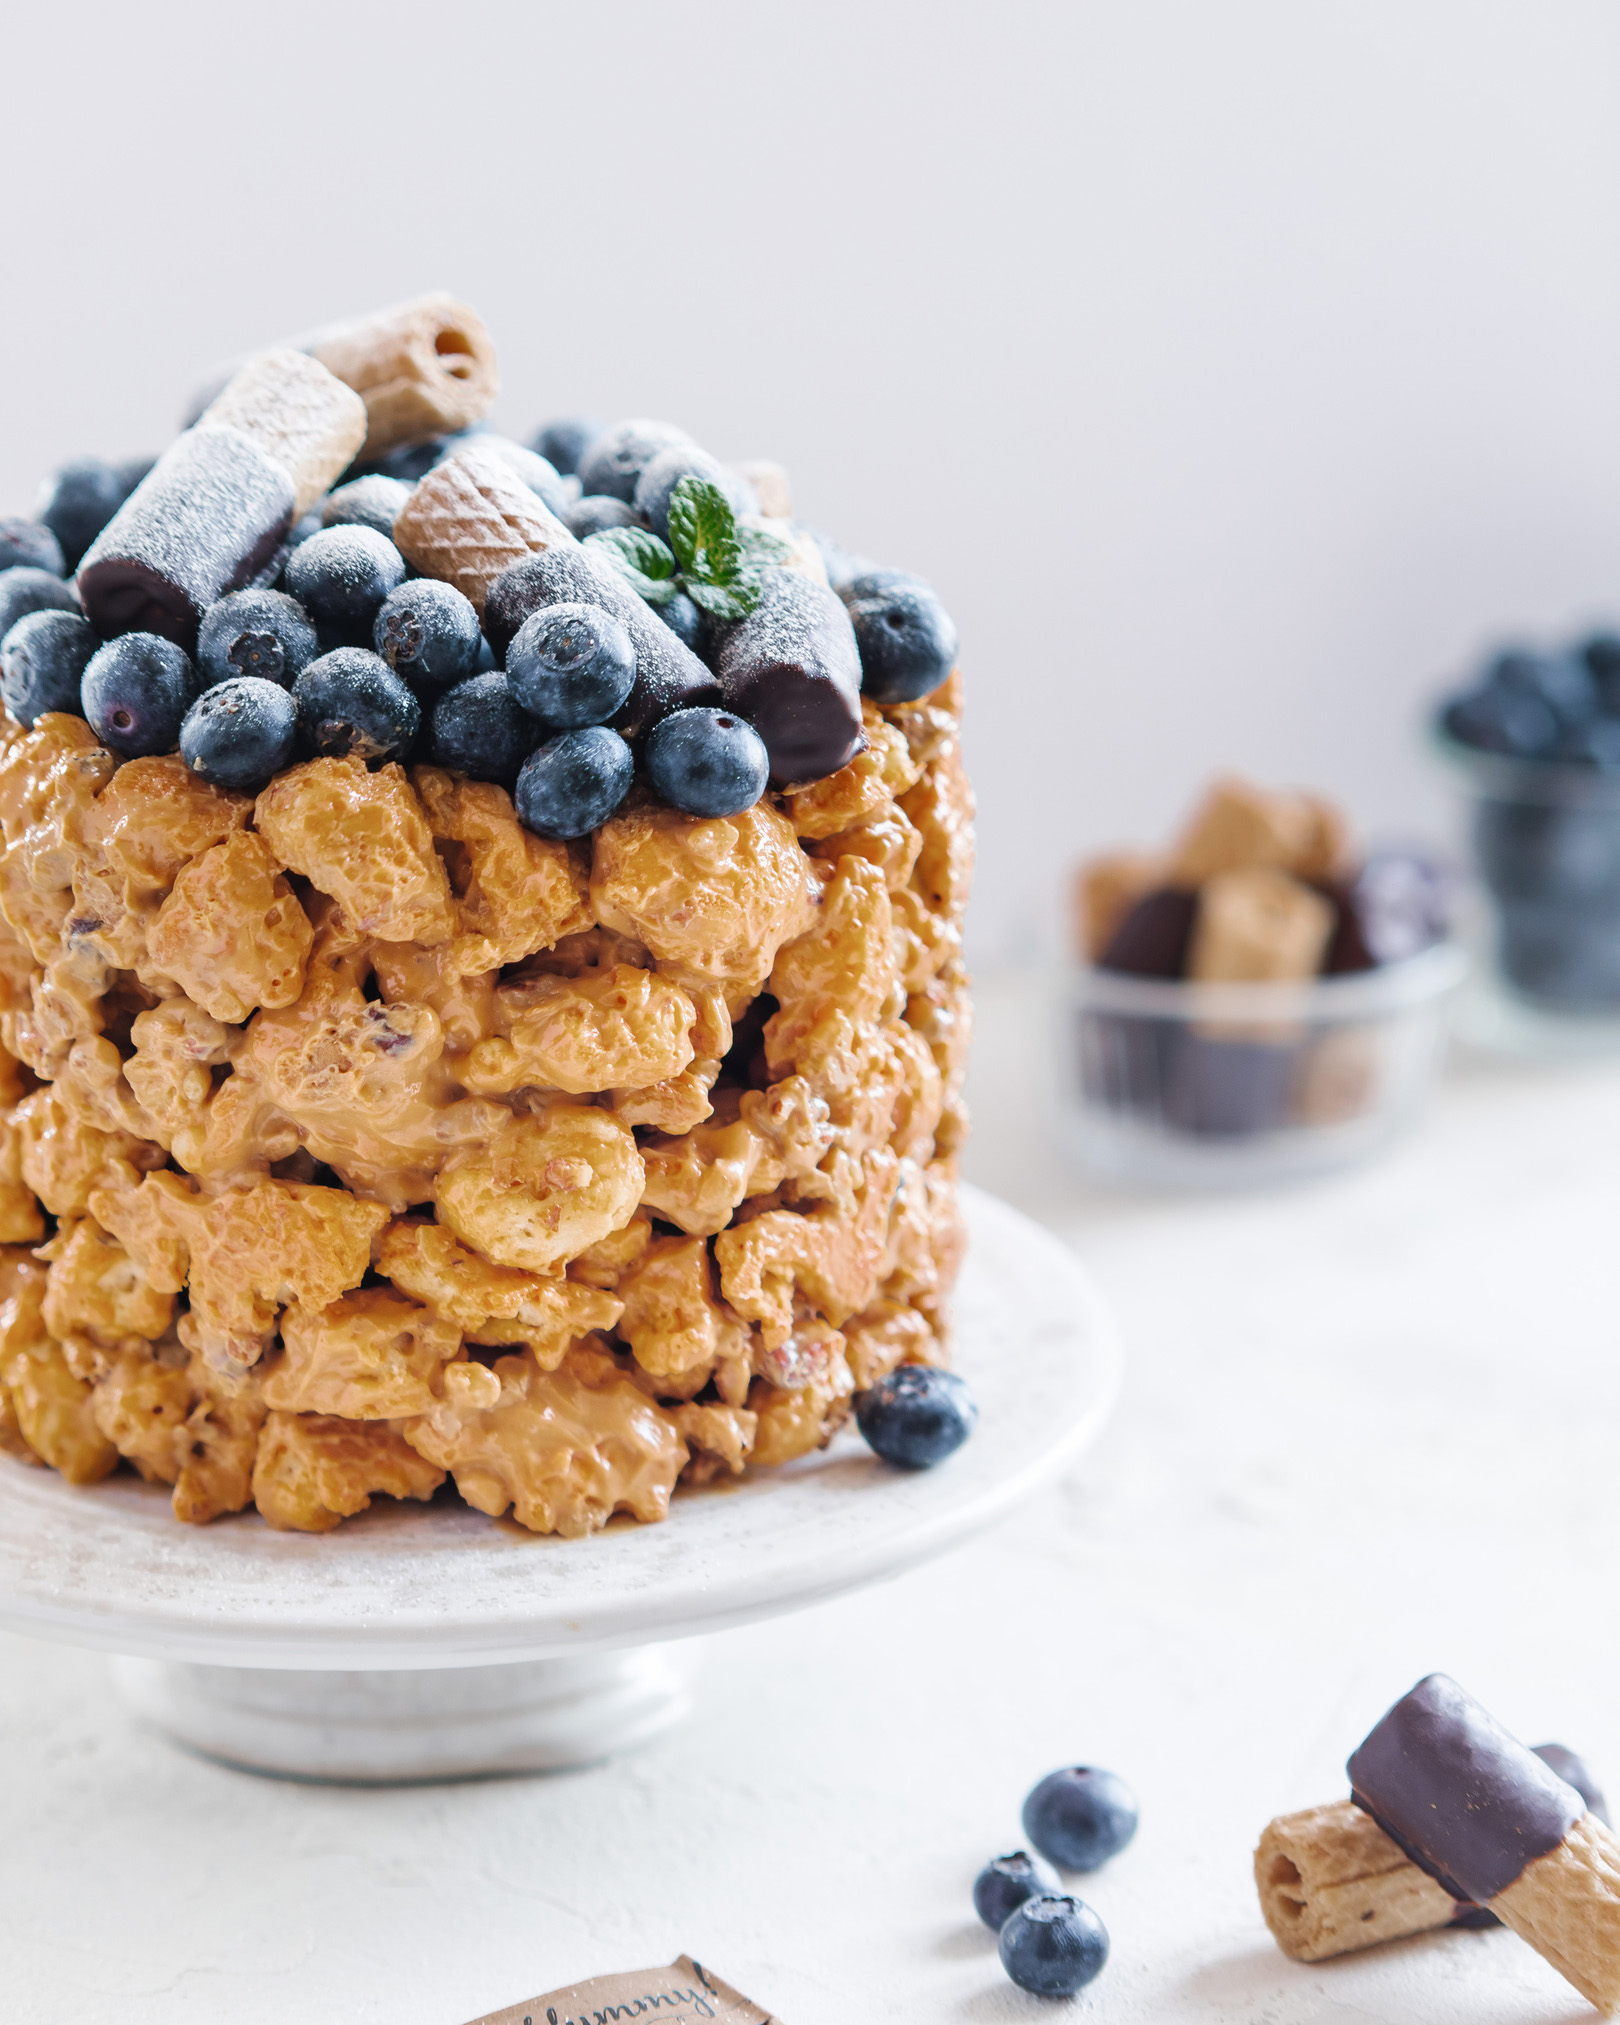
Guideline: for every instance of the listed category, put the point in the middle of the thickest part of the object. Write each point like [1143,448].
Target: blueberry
[77,501]
[574,782]
[42,661]
[341,577]
[917,1416]
[301,530]
[595,511]
[412,462]
[906,638]
[239,734]
[29,544]
[350,702]
[841,566]
[616,460]
[683,619]
[1080,1816]
[265,634]
[571,665]
[428,633]
[1006,1881]
[374,501]
[708,762]
[480,730]
[563,443]
[1053,1946]
[1563,682]
[1498,720]
[659,478]
[24,590]
[136,692]
[1601,653]
[131,471]
[486,656]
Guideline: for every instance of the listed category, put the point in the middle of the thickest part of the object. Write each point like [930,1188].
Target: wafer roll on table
[213,512]
[1331,1882]
[1490,1821]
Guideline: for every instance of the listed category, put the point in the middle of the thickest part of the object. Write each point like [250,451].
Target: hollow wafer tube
[424,368]
[1489,1821]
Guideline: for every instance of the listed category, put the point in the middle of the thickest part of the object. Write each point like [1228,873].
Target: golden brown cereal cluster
[356,1137]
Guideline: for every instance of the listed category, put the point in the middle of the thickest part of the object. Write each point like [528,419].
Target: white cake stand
[429,1643]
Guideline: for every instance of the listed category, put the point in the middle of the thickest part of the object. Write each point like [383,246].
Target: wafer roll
[424,368]
[792,668]
[1257,926]
[298,412]
[1237,825]
[1331,1881]
[471,518]
[1489,1821]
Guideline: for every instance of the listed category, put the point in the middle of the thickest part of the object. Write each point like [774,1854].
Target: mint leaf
[734,600]
[639,556]
[762,546]
[703,532]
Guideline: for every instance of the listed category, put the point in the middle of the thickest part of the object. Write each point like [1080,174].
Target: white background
[1235,370]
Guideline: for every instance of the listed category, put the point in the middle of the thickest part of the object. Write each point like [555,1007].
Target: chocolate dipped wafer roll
[1331,1882]
[212,513]
[669,676]
[792,668]
[1489,1821]
[471,518]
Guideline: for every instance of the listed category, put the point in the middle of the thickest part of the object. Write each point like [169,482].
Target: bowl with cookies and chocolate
[1258,1001]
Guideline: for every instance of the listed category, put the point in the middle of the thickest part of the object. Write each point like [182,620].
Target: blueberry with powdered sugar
[428,633]
[906,639]
[77,501]
[564,442]
[571,665]
[374,501]
[571,785]
[615,461]
[683,619]
[351,703]
[659,478]
[263,634]
[341,577]
[29,544]
[480,729]
[42,663]
[24,590]
[595,511]
[136,692]
[240,733]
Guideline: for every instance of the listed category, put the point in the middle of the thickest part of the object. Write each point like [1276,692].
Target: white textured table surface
[1369,1429]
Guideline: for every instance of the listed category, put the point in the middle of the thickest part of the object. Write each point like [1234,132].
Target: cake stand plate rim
[130,1580]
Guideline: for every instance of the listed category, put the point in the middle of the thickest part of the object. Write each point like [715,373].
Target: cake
[368,1125]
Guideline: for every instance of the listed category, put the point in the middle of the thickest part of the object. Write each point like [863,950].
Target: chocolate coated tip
[1466,1801]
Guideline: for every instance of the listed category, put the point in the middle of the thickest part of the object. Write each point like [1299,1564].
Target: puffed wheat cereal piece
[21,1222]
[493,1304]
[65,1160]
[672,1320]
[312,1471]
[53,1409]
[96,1289]
[609,1029]
[544,1188]
[880,774]
[719,1438]
[834,1261]
[366,1356]
[515,893]
[217,1445]
[362,837]
[231,933]
[142,1405]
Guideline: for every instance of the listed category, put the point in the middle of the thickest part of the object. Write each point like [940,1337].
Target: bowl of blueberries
[1255,1004]
[1533,744]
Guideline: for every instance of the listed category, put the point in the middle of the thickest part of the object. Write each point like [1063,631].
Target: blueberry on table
[1053,1946]
[240,733]
[77,501]
[374,501]
[574,782]
[659,478]
[1080,1816]
[341,577]
[428,632]
[1006,1881]
[136,692]
[29,544]
[595,511]
[350,703]
[264,634]
[564,442]
[683,619]
[917,1416]
[480,730]
[617,458]
[905,635]
[42,662]
[24,589]
[571,665]
[707,762]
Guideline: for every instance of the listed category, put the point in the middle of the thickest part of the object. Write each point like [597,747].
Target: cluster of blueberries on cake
[1562,705]
[682,641]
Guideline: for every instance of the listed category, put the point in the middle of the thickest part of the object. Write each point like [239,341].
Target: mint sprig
[716,562]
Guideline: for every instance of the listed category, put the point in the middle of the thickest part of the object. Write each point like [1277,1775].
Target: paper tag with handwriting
[685,1991]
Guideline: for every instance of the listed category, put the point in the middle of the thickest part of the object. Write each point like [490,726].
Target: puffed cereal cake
[432,1076]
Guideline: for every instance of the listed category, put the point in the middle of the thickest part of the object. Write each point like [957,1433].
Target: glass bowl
[1235,1085]
[1543,839]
